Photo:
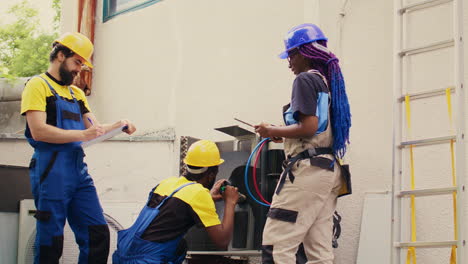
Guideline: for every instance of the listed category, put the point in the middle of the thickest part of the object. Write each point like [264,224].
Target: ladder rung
[427,48]
[421,95]
[440,244]
[427,141]
[425,192]
[422,5]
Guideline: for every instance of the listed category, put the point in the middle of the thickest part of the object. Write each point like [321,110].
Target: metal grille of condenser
[70,248]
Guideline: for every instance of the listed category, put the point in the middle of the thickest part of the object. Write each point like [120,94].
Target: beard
[66,76]
[211,183]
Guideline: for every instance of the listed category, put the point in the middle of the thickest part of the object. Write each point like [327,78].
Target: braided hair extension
[327,64]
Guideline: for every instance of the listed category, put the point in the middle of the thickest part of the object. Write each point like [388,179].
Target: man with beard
[174,206]
[58,120]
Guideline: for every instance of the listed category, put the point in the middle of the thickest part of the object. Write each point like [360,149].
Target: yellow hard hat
[203,153]
[79,44]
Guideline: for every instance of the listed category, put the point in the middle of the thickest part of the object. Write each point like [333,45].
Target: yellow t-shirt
[191,205]
[38,96]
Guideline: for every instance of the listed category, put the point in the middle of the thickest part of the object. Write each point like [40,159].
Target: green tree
[57,5]
[24,47]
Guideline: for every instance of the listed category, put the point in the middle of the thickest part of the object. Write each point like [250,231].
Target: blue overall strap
[170,195]
[151,193]
[55,92]
[72,93]
[60,103]
[151,213]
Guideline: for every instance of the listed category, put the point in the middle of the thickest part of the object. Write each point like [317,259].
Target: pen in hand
[90,121]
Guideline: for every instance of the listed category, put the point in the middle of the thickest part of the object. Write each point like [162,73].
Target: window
[113,8]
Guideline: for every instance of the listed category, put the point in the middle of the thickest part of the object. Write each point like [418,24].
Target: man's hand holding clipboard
[111,131]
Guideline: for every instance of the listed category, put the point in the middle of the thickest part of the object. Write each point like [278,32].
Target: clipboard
[106,136]
[243,122]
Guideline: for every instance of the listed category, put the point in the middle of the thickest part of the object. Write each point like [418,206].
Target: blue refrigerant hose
[246,173]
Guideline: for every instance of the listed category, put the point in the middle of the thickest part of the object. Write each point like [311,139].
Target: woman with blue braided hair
[316,133]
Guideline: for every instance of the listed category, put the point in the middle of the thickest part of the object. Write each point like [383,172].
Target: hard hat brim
[221,161]
[283,55]
[87,63]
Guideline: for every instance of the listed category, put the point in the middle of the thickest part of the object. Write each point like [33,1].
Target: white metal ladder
[400,52]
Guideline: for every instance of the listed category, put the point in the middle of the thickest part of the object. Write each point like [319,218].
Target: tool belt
[306,154]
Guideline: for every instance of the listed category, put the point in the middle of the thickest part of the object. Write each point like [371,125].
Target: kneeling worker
[174,206]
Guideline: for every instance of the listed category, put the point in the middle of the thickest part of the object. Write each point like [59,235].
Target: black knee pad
[51,254]
[99,239]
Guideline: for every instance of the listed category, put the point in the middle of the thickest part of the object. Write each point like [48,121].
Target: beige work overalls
[302,212]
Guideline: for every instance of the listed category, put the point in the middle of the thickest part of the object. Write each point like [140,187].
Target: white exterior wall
[362,40]
[194,65]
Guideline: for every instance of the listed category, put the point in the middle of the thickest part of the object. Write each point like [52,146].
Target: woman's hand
[263,129]
[277,139]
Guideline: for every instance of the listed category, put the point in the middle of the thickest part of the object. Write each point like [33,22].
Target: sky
[46,13]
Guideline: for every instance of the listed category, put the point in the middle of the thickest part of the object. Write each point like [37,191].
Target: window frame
[107,14]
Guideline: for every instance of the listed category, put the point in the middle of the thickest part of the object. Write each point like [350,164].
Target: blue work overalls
[63,189]
[131,249]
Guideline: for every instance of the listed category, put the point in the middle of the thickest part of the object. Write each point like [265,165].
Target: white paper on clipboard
[106,136]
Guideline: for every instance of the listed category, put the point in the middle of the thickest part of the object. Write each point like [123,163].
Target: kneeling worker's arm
[221,234]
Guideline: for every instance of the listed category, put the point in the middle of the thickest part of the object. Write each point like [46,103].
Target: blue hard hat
[299,35]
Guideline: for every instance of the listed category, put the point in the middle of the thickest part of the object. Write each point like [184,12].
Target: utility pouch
[346,175]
